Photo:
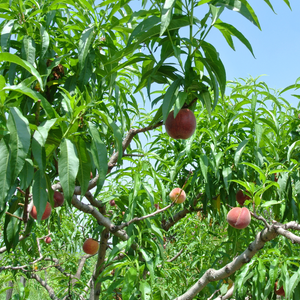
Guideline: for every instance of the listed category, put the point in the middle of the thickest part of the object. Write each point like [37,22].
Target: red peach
[280,291]
[48,240]
[90,246]
[239,217]
[46,213]
[178,195]
[58,199]
[183,126]
[241,197]
[112,202]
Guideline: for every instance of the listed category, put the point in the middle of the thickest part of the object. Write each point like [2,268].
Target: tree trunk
[10,291]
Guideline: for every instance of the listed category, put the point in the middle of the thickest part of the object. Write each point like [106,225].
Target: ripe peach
[58,199]
[183,126]
[239,217]
[48,240]
[241,197]
[46,213]
[280,291]
[90,246]
[178,195]
[112,202]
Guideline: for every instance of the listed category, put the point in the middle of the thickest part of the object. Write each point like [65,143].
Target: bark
[100,266]
[210,275]
[48,288]
[10,291]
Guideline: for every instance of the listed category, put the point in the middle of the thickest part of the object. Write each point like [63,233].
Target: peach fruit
[90,246]
[178,195]
[241,197]
[239,217]
[46,213]
[58,199]
[183,126]
[48,240]
[280,291]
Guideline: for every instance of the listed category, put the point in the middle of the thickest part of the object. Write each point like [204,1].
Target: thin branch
[166,225]
[14,216]
[176,256]
[100,266]
[136,219]
[227,295]
[45,285]
[261,218]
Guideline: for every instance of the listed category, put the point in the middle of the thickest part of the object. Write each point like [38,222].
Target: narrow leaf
[68,165]
[166,15]
[39,193]
[239,151]
[18,127]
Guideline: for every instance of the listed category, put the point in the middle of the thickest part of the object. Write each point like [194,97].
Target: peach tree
[85,90]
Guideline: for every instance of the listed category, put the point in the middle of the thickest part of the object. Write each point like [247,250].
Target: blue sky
[276,47]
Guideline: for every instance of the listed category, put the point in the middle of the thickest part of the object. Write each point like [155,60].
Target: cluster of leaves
[70,74]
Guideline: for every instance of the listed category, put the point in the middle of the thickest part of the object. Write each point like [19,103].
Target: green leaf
[45,40]
[179,102]
[39,193]
[215,12]
[291,149]
[116,131]
[12,226]
[38,143]
[227,174]
[5,35]
[51,113]
[145,289]
[204,166]
[29,47]
[85,42]
[99,153]
[23,63]
[149,263]
[262,176]
[5,170]
[232,31]
[85,165]
[242,7]
[239,151]
[2,92]
[166,15]
[18,127]
[216,65]
[68,165]
[169,97]
[26,175]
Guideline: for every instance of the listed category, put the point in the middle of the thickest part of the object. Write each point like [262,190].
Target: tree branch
[45,285]
[210,275]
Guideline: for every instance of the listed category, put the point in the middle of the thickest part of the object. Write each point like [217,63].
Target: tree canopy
[86,88]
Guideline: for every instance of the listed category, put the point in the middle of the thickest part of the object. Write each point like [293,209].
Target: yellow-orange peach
[239,217]
[46,213]
[178,195]
[183,126]
[90,246]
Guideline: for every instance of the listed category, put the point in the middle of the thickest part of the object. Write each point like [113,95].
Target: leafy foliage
[74,118]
